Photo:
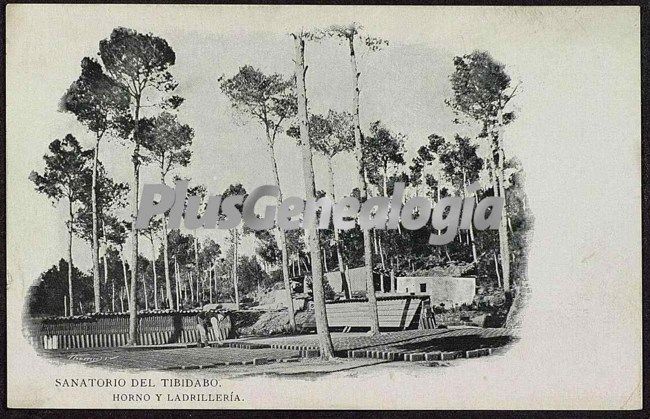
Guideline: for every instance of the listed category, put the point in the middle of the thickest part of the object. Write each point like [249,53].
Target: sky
[404,85]
[577,134]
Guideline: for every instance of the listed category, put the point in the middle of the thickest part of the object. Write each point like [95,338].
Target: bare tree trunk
[281,239]
[106,267]
[325,260]
[168,281]
[503,229]
[95,232]
[211,273]
[503,239]
[471,229]
[126,281]
[496,269]
[105,263]
[322,328]
[367,251]
[178,286]
[234,268]
[337,243]
[146,295]
[375,247]
[197,269]
[198,283]
[71,301]
[133,303]
[189,280]
[112,288]
[155,277]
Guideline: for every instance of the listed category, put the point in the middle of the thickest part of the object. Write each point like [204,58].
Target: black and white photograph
[334,207]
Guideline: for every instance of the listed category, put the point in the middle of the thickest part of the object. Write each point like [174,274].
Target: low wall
[112,329]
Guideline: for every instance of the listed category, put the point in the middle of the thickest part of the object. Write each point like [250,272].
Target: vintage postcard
[335,207]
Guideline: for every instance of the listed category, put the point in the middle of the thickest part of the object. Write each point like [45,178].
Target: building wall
[442,289]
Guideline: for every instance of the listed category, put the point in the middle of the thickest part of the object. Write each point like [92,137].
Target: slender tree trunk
[146,296]
[281,237]
[367,251]
[213,282]
[197,269]
[189,280]
[503,238]
[471,229]
[234,268]
[113,294]
[153,268]
[126,281]
[95,232]
[337,243]
[503,228]
[178,286]
[438,231]
[168,281]
[339,258]
[322,328]
[496,269]
[106,267]
[71,300]
[375,247]
[105,264]
[133,303]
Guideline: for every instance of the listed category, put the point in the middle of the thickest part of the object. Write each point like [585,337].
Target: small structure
[356,278]
[441,289]
[396,312]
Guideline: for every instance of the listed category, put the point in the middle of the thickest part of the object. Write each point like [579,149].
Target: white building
[442,289]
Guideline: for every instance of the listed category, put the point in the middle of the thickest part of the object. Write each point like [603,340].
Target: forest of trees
[170,269]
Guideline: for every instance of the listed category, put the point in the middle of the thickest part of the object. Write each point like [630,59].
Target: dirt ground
[272,355]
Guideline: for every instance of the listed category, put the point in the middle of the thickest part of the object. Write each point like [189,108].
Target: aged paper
[539,310]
